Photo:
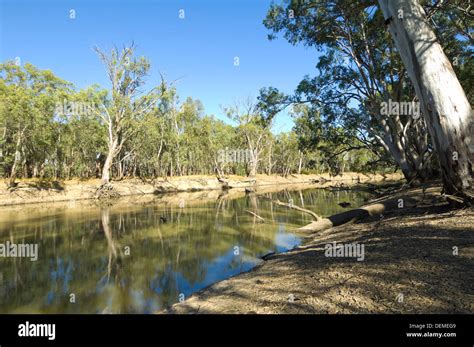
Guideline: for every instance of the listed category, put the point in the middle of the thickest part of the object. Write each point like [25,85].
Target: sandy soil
[409,266]
[37,191]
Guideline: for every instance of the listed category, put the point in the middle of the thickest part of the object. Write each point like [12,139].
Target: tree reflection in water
[124,258]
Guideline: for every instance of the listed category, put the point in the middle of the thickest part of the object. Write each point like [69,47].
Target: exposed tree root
[106,191]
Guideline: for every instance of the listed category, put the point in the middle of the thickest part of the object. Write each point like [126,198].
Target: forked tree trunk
[444,104]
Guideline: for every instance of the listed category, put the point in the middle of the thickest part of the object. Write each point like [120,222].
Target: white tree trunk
[447,111]
[16,160]
[300,163]
[253,163]
[109,161]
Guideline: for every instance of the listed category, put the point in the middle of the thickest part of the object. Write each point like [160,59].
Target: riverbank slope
[39,191]
[417,259]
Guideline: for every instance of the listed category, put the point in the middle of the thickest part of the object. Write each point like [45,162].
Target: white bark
[444,104]
[109,161]
[16,160]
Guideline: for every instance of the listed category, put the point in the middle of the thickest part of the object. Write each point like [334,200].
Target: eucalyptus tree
[80,138]
[28,98]
[191,136]
[358,67]
[356,73]
[444,103]
[127,103]
[253,124]
[286,154]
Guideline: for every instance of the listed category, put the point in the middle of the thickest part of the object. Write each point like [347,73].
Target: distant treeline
[49,129]
[375,103]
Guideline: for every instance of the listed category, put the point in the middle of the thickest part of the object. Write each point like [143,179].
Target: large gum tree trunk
[444,104]
[108,162]
[106,169]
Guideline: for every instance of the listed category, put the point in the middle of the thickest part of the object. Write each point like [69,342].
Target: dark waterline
[140,258]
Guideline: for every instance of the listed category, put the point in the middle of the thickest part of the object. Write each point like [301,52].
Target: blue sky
[197,51]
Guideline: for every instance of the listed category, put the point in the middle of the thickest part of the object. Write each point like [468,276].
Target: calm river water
[138,255]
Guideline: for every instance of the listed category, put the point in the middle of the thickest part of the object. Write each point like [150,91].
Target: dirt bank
[37,191]
[417,259]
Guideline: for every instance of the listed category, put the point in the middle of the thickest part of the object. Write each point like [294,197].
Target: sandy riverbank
[36,191]
[410,265]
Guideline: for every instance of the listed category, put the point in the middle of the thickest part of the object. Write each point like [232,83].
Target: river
[141,254]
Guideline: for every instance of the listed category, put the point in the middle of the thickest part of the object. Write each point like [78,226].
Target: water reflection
[140,256]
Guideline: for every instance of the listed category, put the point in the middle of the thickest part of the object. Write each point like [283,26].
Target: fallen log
[351,216]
